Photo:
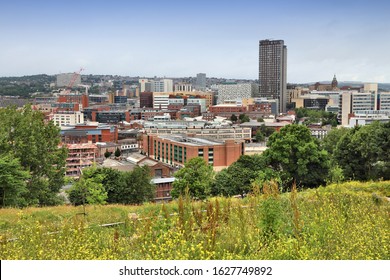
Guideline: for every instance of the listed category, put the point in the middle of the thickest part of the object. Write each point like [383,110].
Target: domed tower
[334,83]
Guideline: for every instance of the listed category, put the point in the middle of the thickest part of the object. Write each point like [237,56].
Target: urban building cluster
[163,123]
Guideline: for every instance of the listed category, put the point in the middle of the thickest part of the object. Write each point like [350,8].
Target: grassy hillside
[347,221]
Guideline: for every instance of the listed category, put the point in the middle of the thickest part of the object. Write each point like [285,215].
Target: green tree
[238,177]
[259,136]
[243,118]
[332,138]
[233,118]
[335,175]
[139,187]
[117,152]
[362,152]
[87,191]
[268,131]
[25,135]
[107,154]
[196,176]
[297,156]
[316,116]
[121,187]
[260,119]
[12,181]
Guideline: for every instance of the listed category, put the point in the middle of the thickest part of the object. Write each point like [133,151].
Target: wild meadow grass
[347,221]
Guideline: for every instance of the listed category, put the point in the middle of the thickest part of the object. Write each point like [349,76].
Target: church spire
[334,82]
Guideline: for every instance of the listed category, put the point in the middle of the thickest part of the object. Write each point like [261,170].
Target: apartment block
[79,156]
[67,118]
[234,91]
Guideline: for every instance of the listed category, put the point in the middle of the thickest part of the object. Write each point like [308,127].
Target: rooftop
[135,158]
[162,180]
[192,141]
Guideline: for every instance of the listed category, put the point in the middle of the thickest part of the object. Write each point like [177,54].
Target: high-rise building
[142,84]
[352,102]
[200,81]
[273,71]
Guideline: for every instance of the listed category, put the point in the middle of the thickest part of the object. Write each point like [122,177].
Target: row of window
[161,152]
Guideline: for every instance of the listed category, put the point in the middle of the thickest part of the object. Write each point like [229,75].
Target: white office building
[235,91]
[164,85]
[72,118]
[160,101]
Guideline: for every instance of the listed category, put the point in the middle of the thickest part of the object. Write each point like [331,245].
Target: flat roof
[163,180]
[192,141]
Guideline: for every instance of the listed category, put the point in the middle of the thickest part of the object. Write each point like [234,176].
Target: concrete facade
[273,71]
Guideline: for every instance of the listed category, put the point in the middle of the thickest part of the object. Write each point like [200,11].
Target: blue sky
[181,38]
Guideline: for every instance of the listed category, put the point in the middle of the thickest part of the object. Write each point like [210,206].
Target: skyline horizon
[194,76]
[151,38]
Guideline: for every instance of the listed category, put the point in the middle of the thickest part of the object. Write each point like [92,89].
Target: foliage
[87,191]
[336,222]
[243,118]
[263,132]
[335,175]
[297,156]
[233,118]
[12,182]
[196,176]
[25,135]
[332,138]
[26,85]
[117,152]
[138,187]
[113,186]
[316,116]
[363,152]
[237,178]
[259,136]
[271,210]
[107,154]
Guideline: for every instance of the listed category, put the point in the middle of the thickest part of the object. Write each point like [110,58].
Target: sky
[182,38]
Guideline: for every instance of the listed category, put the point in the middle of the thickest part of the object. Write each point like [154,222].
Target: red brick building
[146,99]
[227,110]
[89,133]
[74,98]
[177,150]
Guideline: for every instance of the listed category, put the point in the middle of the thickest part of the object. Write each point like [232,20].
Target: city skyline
[176,39]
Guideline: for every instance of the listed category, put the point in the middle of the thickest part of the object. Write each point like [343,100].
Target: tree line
[101,185]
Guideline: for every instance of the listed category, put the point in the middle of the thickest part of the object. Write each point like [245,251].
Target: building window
[158,173]
[180,154]
[211,156]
